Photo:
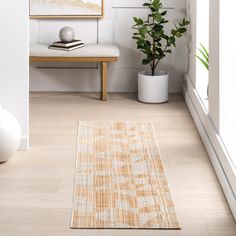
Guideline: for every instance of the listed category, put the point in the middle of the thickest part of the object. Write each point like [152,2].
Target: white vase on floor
[10,135]
[153,89]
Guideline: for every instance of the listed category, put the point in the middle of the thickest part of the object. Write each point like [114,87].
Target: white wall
[114,27]
[14,61]
[192,41]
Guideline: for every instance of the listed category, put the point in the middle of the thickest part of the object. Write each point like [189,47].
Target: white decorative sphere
[67,34]
[10,135]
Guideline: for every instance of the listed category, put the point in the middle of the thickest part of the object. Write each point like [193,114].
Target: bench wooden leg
[104,81]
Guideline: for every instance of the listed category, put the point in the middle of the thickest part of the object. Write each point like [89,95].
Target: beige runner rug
[119,178]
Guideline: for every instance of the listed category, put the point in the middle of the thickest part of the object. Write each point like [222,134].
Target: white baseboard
[226,187]
[24,144]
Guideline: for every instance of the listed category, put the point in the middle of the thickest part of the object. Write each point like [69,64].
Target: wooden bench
[101,53]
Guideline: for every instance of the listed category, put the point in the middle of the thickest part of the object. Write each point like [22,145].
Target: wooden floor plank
[36,187]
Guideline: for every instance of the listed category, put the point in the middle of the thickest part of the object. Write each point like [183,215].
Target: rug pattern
[119,178]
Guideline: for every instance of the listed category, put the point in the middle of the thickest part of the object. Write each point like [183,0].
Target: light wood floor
[36,187]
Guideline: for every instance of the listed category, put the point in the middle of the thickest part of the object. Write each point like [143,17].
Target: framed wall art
[66,9]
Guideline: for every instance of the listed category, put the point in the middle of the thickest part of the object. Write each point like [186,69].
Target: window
[228,77]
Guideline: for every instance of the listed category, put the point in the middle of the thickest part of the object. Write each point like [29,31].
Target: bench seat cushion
[90,50]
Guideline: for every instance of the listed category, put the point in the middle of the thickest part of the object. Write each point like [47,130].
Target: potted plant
[203,57]
[155,43]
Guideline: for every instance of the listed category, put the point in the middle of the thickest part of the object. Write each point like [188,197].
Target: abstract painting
[66,8]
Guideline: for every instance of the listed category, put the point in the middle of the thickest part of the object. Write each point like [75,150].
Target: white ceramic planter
[153,89]
[10,135]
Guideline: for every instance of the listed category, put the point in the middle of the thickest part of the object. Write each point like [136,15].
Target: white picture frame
[66,9]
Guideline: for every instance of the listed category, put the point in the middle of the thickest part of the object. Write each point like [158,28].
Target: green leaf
[182,30]
[160,51]
[172,40]
[173,32]
[138,21]
[141,41]
[158,27]
[204,55]
[164,13]
[204,49]
[184,22]
[164,21]
[147,43]
[157,17]
[203,62]
[146,61]
[187,23]
[135,19]
[143,30]
[178,34]
[165,37]
[146,4]
[156,4]
[204,58]
[152,9]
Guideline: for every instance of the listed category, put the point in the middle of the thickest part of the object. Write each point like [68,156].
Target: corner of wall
[24,144]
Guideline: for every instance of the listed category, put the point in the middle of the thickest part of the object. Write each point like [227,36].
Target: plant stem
[154,61]
[154,54]
[160,59]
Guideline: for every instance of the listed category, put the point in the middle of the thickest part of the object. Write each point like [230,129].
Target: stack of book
[75,44]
